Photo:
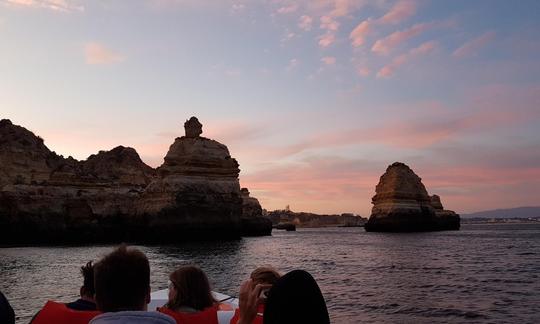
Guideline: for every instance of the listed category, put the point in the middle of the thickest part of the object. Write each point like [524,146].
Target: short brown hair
[122,280]
[192,289]
[265,275]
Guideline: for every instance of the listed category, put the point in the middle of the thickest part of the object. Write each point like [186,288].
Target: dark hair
[122,280]
[192,289]
[295,298]
[87,272]
[265,275]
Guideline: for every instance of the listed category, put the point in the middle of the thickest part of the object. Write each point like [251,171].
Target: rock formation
[113,196]
[402,204]
[253,222]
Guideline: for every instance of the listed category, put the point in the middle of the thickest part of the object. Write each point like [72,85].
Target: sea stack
[402,204]
[253,222]
[113,196]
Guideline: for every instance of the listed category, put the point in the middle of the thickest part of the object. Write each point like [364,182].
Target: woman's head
[189,288]
[296,298]
[264,275]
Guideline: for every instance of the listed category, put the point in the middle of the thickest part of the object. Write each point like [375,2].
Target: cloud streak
[56,5]
[389,69]
[387,44]
[97,54]
[473,46]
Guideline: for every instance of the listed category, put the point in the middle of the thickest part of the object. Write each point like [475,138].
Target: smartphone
[264,293]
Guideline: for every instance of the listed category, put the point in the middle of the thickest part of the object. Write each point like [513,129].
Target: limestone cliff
[113,196]
[402,204]
[253,222]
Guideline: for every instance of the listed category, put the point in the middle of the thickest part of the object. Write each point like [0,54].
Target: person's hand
[249,299]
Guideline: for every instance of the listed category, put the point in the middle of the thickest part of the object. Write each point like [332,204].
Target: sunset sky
[314,98]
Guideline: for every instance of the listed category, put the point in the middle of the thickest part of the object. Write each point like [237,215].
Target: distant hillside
[519,212]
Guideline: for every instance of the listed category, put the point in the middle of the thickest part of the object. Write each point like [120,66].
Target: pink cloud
[56,5]
[389,69]
[329,60]
[305,23]
[363,71]
[288,9]
[344,7]
[385,45]
[401,10]
[472,47]
[328,23]
[96,53]
[327,39]
[359,33]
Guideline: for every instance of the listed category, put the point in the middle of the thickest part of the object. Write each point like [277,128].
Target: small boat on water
[227,306]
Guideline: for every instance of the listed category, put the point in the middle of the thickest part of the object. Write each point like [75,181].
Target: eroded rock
[113,196]
[402,204]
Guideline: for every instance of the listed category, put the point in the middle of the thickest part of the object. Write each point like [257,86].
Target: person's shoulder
[82,305]
[135,317]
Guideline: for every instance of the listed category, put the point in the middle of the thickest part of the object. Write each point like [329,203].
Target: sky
[314,98]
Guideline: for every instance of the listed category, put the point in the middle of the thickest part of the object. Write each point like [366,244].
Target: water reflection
[482,273]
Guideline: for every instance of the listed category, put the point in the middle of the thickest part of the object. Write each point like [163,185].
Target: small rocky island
[402,204]
[113,196]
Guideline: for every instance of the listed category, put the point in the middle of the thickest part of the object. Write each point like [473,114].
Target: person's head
[264,275]
[295,298]
[189,287]
[87,290]
[122,281]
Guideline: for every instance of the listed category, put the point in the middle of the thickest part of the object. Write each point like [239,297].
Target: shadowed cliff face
[113,196]
[402,204]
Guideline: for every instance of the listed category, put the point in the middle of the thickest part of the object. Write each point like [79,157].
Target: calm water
[483,273]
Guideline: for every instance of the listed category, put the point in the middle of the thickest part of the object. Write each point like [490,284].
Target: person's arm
[249,300]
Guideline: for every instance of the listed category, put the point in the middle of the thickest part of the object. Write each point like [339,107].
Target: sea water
[482,273]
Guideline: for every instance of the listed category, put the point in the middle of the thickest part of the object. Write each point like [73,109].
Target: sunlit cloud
[56,5]
[401,10]
[329,60]
[305,23]
[363,71]
[389,69]
[97,54]
[288,9]
[360,32]
[473,46]
[387,44]
[327,39]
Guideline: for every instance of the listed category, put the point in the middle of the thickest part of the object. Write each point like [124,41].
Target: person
[190,297]
[86,302]
[7,315]
[294,298]
[79,311]
[122,289]
[264,276]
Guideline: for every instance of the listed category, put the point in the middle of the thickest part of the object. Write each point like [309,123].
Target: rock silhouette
[402,204]
[113,196]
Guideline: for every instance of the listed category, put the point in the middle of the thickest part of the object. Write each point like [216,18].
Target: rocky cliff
[402,204]
[303,219]
[253,222]
[113,196]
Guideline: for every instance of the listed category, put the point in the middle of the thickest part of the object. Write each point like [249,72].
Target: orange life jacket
[257,320]
[54,312]
[206,316]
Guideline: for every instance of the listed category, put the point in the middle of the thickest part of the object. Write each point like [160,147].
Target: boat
[227,306]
